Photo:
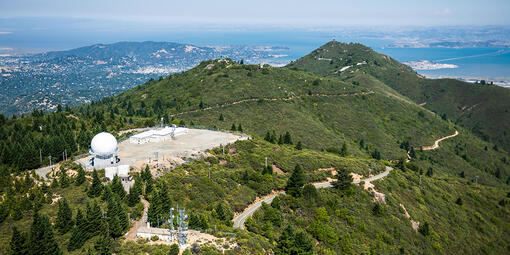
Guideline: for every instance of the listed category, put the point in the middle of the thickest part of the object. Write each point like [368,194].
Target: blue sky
[296,13]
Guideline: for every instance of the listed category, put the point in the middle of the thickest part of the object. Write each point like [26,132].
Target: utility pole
[49,157]
[40,155]
[104,217]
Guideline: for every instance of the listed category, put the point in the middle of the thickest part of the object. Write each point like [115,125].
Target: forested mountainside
[441,197]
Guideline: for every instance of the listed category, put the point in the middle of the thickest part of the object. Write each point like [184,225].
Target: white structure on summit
[122,171]
[158,135]
[104,151]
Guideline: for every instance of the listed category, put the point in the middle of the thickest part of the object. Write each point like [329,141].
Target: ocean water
[471,62]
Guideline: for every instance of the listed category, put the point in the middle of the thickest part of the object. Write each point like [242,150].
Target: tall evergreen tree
[103,245]
[233,128]
[239,128]
[19,244]
[133,197]
[287,139]
[220,212]
[41,238]
[344,180]
[80,178]
[63,178]
[94,219]
[296,181]
[221,117]
[268,137]
[117,187]
[97,187]
[79,233]
[64,221]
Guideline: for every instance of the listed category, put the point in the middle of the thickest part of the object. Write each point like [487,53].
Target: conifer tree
[80,178]
[79,232]
[96,188]
[287,139]
[42,240]
[220,212]
[221,117]
[107,194]
[268,137]
[239,128]
[344,180]
[18,244]
[103,245]
[94,219]
[280,140]
[343,151]
[133,197]
[64,220]
[117,187]
[299,146]
[233,128]
[295,183]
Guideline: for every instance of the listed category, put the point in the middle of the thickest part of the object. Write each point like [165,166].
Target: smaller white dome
[104,144]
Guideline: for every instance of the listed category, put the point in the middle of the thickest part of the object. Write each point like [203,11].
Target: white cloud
[5,32]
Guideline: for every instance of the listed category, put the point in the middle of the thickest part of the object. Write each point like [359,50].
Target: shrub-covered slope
[484,109]
[319,112]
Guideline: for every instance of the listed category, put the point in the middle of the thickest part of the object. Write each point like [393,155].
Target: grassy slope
[482,108]
[319,121]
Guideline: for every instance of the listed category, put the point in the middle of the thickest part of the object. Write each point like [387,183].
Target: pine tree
[97,187]
[233,128]
[344,180]
[430,172]
[285,243]
[343,151]
[64,221]
[268,137]
[94,219]
[107,194]
[287,139]
[79,233]
[18,244]
[221,117]
[103,245]
[280,140]
[117,187]
[80,178]
[239,128]
[220,212]
[299,146]
[424,229]
[41,237]
[295,183]
[133,197]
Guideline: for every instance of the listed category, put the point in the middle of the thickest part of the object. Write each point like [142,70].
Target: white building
[157,135]
[104,151]
[122,171]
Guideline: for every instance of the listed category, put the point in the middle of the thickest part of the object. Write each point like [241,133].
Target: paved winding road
[250,210]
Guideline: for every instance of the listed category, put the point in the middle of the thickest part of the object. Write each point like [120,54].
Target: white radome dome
[104,144]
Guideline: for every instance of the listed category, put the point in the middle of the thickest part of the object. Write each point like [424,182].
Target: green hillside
[299,121]
[484,109]
[319,112]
